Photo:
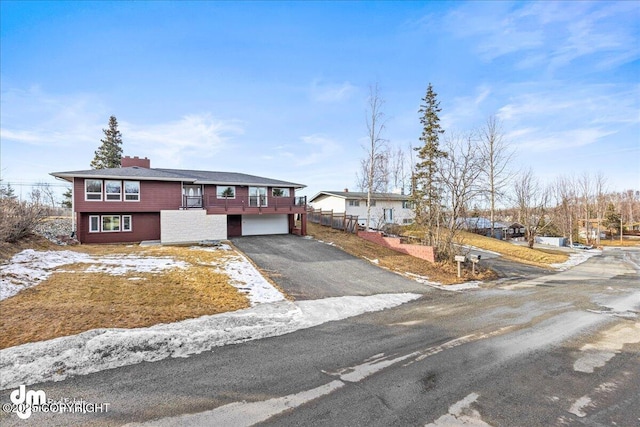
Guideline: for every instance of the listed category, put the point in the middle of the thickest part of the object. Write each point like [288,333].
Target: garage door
[255,225]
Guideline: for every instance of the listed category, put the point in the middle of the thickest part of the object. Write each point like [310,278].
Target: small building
[386,208]
[482,226]
[136,202]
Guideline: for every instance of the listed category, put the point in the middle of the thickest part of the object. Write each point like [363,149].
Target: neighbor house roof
[479,223]
[182,175]
[360,195]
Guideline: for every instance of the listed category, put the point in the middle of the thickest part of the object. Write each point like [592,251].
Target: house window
[373,203]
[93,189]
[110,223]
[354,202]
[280,192]
[407,220]
[226,192]
[132,191]
[113,190]
[257,196]
[407,204]
[126,223]
[94,224]
[388,215]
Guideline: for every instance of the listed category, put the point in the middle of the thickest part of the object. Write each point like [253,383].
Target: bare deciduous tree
[497,157]
[532,200]
[374,167]
[458,173]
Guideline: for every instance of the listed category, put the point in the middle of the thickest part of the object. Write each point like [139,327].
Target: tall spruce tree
[109,154]
[426,191]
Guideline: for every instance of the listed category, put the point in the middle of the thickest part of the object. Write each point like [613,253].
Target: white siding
[329,203]
[189,226]
[255,225]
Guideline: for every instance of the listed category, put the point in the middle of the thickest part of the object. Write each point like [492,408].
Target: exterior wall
[418,251]
[326,203]
[552,241]
[377,213]
[144,226]
[154,197]
[188,226]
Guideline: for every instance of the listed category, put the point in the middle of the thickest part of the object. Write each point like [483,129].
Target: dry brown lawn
[441,272]
[74,300]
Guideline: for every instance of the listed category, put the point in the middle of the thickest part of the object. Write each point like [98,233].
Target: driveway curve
[309,269]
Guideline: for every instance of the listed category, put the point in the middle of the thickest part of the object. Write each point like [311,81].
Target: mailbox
[475,258]
[460,258]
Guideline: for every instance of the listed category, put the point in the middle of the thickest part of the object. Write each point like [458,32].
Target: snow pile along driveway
[99,349]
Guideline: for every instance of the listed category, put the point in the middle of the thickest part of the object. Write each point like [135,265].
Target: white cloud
[543,140]
[331,92]
[37,118]
[195,135]
[317,148]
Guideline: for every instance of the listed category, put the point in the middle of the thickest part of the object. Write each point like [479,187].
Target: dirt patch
[440,272]
[74,299]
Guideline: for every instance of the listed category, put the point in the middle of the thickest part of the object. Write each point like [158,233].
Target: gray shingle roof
[185,175]
[361,195]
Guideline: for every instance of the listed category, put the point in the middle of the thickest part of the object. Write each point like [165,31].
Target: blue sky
[279,89]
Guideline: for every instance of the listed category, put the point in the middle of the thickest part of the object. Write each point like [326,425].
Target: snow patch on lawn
[100,349]
[29,267]
[247,279]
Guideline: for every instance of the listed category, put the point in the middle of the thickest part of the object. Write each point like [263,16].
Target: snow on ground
[29,267]
[576,258]
[100,349]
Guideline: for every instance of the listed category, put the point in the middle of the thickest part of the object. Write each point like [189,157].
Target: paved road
[559,349]
[308,269]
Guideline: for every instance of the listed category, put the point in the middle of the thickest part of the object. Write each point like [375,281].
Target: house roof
[182,175]
[360,195]
[479,223]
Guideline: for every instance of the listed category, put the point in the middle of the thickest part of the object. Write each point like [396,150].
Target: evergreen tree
[67,198]
[612,219]
[109,154]
[427,194]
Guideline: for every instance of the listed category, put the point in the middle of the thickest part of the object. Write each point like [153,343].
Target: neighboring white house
[386,208]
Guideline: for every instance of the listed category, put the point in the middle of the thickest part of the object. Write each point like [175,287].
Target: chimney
[346,190]
[135,161]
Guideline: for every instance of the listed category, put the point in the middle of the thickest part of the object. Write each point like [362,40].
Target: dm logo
[26,400]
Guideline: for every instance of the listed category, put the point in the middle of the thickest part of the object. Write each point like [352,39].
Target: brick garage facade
[423,252]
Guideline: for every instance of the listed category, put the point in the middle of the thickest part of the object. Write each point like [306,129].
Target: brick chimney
[346,190]
[135,161]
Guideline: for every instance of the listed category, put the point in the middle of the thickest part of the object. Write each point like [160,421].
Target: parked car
[577,245]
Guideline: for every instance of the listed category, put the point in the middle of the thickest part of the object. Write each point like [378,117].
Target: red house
[135,202]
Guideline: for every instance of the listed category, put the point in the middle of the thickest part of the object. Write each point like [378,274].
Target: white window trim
[224,188]
[123,229]
[90,223]
[124,192]
[86,193]
[106,193]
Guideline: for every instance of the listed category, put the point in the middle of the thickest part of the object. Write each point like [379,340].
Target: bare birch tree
[497,157]
[374,167]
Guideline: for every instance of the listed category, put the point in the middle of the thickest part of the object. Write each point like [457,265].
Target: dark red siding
[154,196]
[145,226]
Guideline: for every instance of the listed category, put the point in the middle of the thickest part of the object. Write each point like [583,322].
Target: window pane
[280,192]
[93,185]
[226,192]
[132,190]
[110,223]
[94,224]
[126,223]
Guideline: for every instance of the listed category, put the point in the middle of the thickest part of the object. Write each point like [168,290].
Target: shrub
[19,218]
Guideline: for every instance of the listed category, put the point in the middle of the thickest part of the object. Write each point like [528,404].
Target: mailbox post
[475,259]
[460,259]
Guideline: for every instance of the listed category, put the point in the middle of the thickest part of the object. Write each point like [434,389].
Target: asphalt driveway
[308,269]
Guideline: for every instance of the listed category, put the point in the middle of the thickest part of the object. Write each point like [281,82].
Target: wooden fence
[338,220]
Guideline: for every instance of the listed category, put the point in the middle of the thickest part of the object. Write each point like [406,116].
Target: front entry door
[234,226]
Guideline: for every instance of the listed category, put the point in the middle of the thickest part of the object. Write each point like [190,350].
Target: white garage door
[255,225]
